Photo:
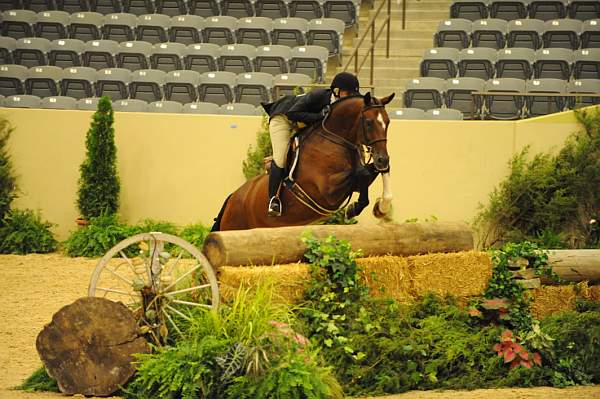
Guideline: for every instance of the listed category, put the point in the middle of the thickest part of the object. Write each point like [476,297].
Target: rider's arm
[308,107]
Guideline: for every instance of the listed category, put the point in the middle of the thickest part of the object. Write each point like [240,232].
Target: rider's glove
[325,111]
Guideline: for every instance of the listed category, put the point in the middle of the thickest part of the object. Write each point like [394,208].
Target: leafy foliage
[39,381]
[99,183]
[95,239]
[254,164]
[552,200]
[25,232]
[195,234]
[7,178]
[515,354]
[339,217]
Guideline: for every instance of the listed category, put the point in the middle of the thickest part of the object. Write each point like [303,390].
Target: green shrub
[151,225]
[39,381]
[195,234]
[7,179]
[254,164]
[95,239]
[99,184]
[25,232]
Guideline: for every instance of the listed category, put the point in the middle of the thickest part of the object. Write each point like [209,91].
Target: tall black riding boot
[275,179]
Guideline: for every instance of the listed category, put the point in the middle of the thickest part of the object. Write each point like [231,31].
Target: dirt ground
[34,287]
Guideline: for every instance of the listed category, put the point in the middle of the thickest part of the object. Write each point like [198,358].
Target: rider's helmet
[345,81]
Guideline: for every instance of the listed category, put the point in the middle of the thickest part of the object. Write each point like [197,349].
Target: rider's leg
[280,132]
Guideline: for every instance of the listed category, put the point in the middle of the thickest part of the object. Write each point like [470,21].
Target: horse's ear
[388,99]
[368,98]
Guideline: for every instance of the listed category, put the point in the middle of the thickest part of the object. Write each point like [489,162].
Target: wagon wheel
[160,277]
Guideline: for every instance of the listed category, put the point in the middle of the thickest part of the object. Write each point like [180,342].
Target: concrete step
[397,44]
[411,15]
[388,74]
[397,32]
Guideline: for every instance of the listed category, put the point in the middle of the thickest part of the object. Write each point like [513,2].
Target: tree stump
[88,346]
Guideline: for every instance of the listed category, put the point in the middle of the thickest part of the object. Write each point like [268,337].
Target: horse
[329,168]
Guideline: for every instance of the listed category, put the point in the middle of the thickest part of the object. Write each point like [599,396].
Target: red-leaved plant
[515,354]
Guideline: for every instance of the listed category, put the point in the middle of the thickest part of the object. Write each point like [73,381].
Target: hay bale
[387,276]
[461,274]
[548,300]
[595,292]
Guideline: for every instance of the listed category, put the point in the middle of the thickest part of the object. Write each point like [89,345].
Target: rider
[293,112]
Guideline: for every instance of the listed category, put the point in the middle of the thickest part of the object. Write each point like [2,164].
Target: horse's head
[375,121]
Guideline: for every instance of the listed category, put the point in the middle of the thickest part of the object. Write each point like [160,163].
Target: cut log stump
[88,346]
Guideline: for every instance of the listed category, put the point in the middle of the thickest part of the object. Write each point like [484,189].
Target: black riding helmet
[345,81]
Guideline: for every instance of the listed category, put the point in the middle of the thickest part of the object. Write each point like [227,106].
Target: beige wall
[181,167]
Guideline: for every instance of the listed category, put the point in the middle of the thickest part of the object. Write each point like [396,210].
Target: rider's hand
[325,111]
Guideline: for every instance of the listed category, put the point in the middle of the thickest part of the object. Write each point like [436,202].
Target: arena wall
[181,167]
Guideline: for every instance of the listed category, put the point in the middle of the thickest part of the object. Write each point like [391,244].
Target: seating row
[516,9]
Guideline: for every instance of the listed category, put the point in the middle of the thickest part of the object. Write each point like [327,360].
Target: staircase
[406,46]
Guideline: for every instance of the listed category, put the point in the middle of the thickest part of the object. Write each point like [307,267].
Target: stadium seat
[563,33]
[52,25]
[454,33]
[444,114]
[509,9]
[525,33]
[106,6]
[307,9]
[201,108]
[424,93]
[477,62]
[32,51]
[86,26]
[7,46]
[271,8]
[100,54]
[130,105]
[204,8]
[583,86]
[18,23]
[440,62]
[134,55]
[345,10]
[237,109]
[590,34]
[171,7]
[170,107]
[217,87]
[22,101]
[168,56]
[186,29]
[407,113]
[272,59]
[253,88]
[587,64]
[78,82]
[35,5]
[153,28]
[489,33]
[515,63]
[584,10]
[66,52]
[289,31]
[202,57]
[113,82]
[88,104]
[58,102]
[553,63]
[237,8]
[537,106]
[254,30]
[469,9]
[146,84]
[328,33]
[504,107]
[289,84]
[12,79]
[311,61]
[219,30]
[43,81]
[459,96]
[120,27]
[236,58]
[138,7]
[72,6]
[182,86]
[548,9]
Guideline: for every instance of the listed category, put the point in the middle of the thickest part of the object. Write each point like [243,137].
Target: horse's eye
[369,124]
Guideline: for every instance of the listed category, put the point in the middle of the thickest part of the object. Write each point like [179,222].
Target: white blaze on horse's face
[380,120]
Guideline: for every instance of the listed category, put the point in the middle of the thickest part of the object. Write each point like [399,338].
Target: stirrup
[274,207]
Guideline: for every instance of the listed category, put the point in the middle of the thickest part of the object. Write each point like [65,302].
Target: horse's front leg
[383,205]
[364,177]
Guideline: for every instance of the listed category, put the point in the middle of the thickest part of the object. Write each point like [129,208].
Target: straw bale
[595,292]
[387,276]
[288,280]
[552,299]
[462,274]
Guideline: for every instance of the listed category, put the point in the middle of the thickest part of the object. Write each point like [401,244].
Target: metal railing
[374,37]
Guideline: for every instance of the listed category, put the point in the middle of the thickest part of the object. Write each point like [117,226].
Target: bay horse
[329,169]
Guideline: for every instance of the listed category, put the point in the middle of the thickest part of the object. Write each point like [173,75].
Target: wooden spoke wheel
[162,278]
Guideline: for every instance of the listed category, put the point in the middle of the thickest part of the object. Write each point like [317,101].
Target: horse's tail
[217,225]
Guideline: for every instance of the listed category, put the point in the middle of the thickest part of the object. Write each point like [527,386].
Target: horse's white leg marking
[380,120]
[386,198]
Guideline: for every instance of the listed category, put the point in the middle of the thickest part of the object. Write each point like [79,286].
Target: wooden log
[267,246]
[573,265]
[88,347]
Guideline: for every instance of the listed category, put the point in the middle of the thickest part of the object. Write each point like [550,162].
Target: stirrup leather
[275,207]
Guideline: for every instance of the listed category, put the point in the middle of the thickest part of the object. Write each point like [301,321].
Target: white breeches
[280,130]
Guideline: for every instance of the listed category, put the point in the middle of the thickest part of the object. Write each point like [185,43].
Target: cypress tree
[99,183]
[7,178]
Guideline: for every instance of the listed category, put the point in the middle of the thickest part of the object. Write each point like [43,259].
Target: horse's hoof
[378,213]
